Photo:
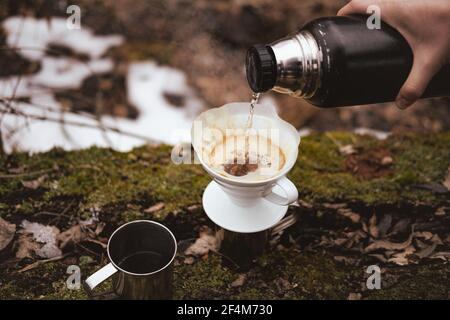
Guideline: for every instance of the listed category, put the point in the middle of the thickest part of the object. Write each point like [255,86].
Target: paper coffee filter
[209,128]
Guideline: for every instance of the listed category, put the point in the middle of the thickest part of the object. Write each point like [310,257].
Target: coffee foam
[211,128]
[246,156]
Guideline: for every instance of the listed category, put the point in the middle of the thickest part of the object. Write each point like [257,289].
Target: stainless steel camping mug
[141,255]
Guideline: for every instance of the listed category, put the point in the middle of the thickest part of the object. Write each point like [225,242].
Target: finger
[416,83]
[354,6]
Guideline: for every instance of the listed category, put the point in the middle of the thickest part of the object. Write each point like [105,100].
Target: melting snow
[45,235]
[31,33]
[158,120]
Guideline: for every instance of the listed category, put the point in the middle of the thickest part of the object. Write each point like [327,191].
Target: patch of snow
[45,235]
[55,73]
[28,32]
[63,73]
[147,82]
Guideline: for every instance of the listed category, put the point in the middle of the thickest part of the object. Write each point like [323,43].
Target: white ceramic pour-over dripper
[237,204]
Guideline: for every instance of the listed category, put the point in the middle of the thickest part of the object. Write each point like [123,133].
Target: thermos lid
[261,68]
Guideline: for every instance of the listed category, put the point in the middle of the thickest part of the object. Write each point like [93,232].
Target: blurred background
[139,71]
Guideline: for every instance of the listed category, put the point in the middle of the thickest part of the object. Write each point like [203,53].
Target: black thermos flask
[338,61]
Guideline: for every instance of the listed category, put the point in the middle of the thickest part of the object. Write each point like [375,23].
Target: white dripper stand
[246,209]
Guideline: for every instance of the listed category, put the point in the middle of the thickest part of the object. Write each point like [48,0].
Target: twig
[63,213]
[103,245]
[25,174]
[88,250]
[46,213]
[226,257]
[84,125]
[39,262]
[33,173]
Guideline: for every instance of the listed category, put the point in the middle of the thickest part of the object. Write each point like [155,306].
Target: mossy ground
[120,186]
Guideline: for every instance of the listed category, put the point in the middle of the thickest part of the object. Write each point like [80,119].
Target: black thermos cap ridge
[261,68]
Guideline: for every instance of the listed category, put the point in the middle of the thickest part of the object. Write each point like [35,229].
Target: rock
[240,280]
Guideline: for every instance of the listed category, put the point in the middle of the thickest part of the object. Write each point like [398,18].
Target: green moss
[289,274]
[16,285]
[320,173]
[99,178]
[47,281]
[202,280]
[102,177]
[122,185]
[423,282]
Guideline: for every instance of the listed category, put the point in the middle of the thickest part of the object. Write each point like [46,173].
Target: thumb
[421,73]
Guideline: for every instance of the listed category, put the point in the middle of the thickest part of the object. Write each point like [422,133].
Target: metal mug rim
[142,274]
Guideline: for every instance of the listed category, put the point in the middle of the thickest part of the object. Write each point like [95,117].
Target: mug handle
[98,277]
[289,189]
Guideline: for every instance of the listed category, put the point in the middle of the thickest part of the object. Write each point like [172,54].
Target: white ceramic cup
[245,193]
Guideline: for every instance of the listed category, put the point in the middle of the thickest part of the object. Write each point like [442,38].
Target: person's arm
[425,24]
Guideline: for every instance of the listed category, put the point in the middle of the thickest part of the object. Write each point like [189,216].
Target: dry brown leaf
[194,207]
[34,184]
[155,208]
[389,253]
[189,260]
[400,226]
[401,258]
[387,160]
[388,245]
[436,239]
[364,227]
[354,296]
[427,235]
[420,244]
[99,228]
[354,237]
[206,241]
[44,238]
[335,206]
[384,225]
[7,232]
[71,236]
[340,241]
[426,252]
[346,260]
[441,255]
[440,212]
[26,246]
[354,217]
[239,282]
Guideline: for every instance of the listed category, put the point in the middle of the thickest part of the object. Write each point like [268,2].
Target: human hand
[425,24]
